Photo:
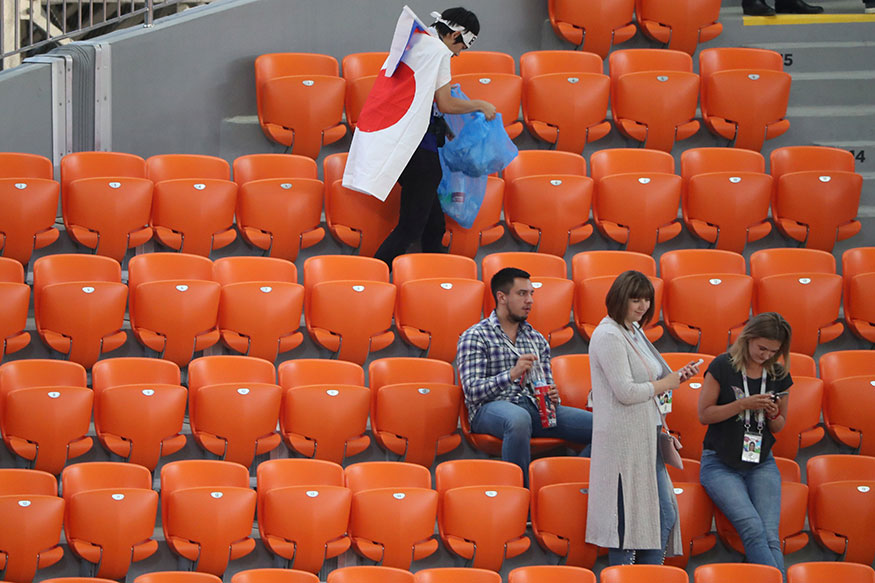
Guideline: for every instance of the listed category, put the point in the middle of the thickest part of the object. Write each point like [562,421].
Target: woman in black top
[738,470]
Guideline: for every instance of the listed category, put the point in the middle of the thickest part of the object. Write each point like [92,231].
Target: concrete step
[816,124]
[812,57]
[833,88]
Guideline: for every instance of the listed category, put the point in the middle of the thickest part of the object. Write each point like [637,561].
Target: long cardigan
[625,417]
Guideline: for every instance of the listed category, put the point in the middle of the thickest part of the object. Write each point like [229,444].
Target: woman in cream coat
[632,508]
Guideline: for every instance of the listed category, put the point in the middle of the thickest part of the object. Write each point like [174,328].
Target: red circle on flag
[389,99]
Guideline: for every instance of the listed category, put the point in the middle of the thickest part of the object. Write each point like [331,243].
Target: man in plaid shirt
[499,358]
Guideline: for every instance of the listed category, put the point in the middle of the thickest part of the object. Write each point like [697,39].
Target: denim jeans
[667,519]
[751,500]
[515,424]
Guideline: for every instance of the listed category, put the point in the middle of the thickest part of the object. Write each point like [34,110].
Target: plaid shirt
[485,358]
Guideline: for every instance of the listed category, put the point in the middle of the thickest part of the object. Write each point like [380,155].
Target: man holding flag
[401,125]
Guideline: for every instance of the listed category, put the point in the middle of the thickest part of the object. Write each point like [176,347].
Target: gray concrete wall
[25,109]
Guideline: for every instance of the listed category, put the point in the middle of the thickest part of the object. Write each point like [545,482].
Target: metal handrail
[39,16]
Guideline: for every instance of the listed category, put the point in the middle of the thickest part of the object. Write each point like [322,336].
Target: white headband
[468,37]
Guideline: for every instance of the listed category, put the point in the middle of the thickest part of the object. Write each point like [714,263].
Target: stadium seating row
[310,510]
[564,95]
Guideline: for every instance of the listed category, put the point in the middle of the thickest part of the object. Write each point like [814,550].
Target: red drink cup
[545,405]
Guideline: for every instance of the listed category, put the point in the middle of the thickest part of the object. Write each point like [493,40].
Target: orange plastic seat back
[846,411]
[394,526]
[264,166]
[357,91]
[536,264]
[351,317]
[476,472]
[453,574]
[549,211]
[283,472]
[598,263]
[809,302]
[261,319]
[79,165]
[624,160]
[250,431]
[844,509]
[696,513]
[321,268]
[412,266]
[801,158]
[109,215]
[642,573]
[11,271]
[538,162]
[482,62]
[433,313]
[551,312]
[70,267]
[305,524]
[726,208]
[413,417]
[855,262]
[554,470]
[244,268]
[803,418]
[327,422]
[21,165]
[359,220]
[486,228]
[281,215]
[558,531]
[567,109]
[679,25]
[177,576]
[132,370]
[572,377]
[370,574]
[112,527]
[183,474]
[727,58]
[822,469]
[818,207]
[141,422]
[766,262]
[83,320]
[657,108]
[161,266]
[482,523]
[503,90]
[307,106]
[371,475]
[221,369]
[706,160]
[593,26]
[708,311]
[357,65]
[312,371]
[38,372]
[715,572]
[681,262]
[589,304]
[836,365]
[30,533]
[48,425]
[534,63]
[810,572]
[268,575]
[177,318]
[545,573]
[21,481]
[210,525]
[28,207]
[194,215]
[859,306]
[14,303]
[186,166]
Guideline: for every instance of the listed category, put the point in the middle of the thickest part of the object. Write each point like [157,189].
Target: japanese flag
[397,111]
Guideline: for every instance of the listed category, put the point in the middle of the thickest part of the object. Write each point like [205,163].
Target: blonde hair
[768,325]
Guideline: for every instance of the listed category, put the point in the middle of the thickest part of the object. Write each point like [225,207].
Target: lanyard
[523,378]
[761,415]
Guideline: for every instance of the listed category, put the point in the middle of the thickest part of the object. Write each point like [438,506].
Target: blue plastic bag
[480,148]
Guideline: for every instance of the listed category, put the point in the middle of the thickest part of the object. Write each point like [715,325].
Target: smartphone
[776,396]
[699,362]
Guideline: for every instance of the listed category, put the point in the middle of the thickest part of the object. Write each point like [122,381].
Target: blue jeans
[751,500]
[667,519]
[515,424]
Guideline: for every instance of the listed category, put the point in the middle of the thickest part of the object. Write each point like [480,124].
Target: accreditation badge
[752,447]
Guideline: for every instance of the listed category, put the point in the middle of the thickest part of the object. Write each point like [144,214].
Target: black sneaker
[870,7]
[796,7]
[758,8]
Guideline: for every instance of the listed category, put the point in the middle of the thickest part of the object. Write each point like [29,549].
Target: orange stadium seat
[22,165]
[326,421]
[843,512]
[802,428]
[357,220]
[696,513]
[673,264]
[268,575]
[245,268]
[834,367]
[780,261]
[29,533]
[858,273]
[371,475]
[177,577]
[207,510]
[77,165]
[432,313]
[503,90]
[357,91]
[487,227]
[572,378]
[320,268]
[547,573]
[558,508]
[816,194]
[536,264]
[534,63]
[794,501]
[654,95]
[847,406]
[186,166]
[482,62]
[412,266]
[265,166]
[357,65]
[642,573]
[567,110]
[815,571]
[728,72]
[538,162]
[550,211]
[194,215]
[625,160]
[716,572]
[37,372]
[680,26]
[261,318]
[276,65]
[311,371]
[14,304]
[595,26]
[370,574]
[28,207]
[456,575]
[110,515]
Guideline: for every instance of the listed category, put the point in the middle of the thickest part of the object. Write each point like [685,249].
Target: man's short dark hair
[629,285]
[502,281]
[460,16]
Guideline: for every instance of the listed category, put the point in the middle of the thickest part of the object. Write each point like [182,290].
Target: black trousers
[421,217]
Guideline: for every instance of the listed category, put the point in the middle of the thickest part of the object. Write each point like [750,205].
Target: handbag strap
[649,375]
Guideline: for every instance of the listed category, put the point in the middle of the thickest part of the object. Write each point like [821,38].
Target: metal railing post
[149,13]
